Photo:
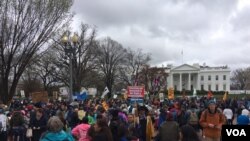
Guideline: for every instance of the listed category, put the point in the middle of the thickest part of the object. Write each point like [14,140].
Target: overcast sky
[215,32]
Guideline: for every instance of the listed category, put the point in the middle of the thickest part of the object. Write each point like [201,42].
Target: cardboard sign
[40,97]
[55,95]
[136,91]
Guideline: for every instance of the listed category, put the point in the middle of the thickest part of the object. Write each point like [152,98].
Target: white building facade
[198,77]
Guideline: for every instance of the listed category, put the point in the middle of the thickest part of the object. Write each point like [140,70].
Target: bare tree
[241,79]
[30,81]
[83,59]
[25,27]
[158,79]
[134,63]
[84,53]
[111,56]
[46,70]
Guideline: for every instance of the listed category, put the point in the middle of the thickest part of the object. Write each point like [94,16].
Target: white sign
[22,93]
[161,97]
[64,91]
[92,91]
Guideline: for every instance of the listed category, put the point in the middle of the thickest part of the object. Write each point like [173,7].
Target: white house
[198,77]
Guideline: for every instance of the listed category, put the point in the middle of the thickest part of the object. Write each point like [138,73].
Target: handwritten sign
[40,97]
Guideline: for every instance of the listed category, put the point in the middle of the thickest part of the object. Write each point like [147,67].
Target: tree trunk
[4,92]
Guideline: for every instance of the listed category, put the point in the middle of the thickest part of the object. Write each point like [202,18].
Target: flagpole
[182,56]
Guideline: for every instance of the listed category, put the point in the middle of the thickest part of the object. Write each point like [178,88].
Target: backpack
[182,118]
[221,115]
[193,118]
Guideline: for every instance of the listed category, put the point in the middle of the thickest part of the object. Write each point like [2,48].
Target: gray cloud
[207,31]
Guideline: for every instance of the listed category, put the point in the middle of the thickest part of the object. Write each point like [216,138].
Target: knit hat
[211,102]
[245,112]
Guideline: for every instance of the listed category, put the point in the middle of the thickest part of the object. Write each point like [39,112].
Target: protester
[212,120]
[102,131]
[4,123]
[243,119]
[229,115]
[55,131]
[169,130]
[17,129]
[133,133]
[193,119]
[119,120]
[81,130]
[38,124]
[146,128]
[188,133]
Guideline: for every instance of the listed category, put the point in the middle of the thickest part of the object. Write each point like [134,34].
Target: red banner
[136,91]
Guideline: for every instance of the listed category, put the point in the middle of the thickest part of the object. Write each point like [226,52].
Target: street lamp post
[69,51]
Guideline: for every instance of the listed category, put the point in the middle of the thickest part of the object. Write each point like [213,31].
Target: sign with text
[235,132]
[136,91]
[40,97]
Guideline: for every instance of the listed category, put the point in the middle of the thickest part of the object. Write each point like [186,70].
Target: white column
[198,82]
[171,80]
[180,82]
[189,81]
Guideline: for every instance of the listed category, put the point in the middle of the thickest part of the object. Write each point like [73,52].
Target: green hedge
[198,92]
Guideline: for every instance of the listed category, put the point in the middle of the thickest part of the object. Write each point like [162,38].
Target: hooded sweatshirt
[80,131]
[58,136]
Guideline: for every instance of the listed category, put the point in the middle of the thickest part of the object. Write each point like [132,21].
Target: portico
[184,77]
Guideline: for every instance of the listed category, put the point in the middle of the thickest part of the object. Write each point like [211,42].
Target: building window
[224,87]
[217,77]
[202,87]
[217,87]
[192,78]
[224,77]
[209,87]
[202,78]
[192,87]
[209,77]
[175,87]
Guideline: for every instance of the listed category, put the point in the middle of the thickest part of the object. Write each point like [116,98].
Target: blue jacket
[59,136]
[243,120]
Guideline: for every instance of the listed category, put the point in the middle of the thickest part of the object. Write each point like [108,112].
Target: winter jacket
[169,131]
[58,136]
[80,131]
[243,120]
[217,119]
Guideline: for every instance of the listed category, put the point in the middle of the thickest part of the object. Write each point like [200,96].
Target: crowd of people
[97,119]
